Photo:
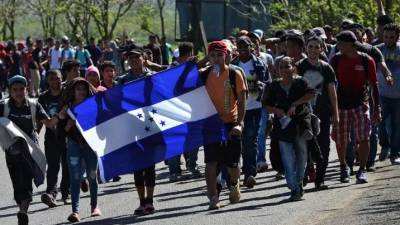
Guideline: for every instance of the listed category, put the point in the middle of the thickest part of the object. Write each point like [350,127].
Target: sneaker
[23,218]
[85,185]
[262,167]
[371,169]
[321,187]
[66,200]
[195,172]
[74,217]
[344,174]
[250,182]
[234,195]
[149,208]
[395,160]
[173,177]
[279,176]
[295,196]
[95,212]
[140,211]
[48,200]
[361,177]
[214,203]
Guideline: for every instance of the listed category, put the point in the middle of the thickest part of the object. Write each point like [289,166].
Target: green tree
[10,9]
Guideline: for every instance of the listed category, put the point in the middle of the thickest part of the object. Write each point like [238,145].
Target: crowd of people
[298,88]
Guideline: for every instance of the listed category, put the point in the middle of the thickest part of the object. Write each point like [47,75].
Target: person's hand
[292,110]
[389,80]
[63,113]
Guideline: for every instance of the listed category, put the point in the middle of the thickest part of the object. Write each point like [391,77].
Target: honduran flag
[136,125]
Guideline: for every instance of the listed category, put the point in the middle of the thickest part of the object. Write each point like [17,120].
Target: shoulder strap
[6,111]
[232,80]
[33,106]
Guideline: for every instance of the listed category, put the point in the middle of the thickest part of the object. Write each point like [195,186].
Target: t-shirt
[67,53]
[156,50]
[55,54]
[128,77]
[50,104]
[83,56]
[318,77]
[248,68]
[95,53]
[220,91]
[267,58]
[352,79]
[372,51]
[392,59]
[22,117]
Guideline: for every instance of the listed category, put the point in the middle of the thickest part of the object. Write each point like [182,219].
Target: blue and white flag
[149,120]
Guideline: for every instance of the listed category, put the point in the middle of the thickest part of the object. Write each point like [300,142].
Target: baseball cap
[320,32]
[17,79]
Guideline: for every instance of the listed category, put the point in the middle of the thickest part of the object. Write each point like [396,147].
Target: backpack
[232,78]
[32,104]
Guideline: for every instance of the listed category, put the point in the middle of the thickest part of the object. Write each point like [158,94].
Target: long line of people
[309,87]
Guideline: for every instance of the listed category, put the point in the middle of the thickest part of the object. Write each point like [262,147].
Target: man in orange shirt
[227,90]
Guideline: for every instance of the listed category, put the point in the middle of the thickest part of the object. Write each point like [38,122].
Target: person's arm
[381,9]
[334,103]
[386,73]
[154,66]
[373,84]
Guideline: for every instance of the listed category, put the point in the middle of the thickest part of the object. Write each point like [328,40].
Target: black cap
[243,40]
[356,26]
[135,51]
[17,79]
[347,36]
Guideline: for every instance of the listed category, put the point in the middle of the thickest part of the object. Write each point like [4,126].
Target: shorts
[357,119]
[227,153]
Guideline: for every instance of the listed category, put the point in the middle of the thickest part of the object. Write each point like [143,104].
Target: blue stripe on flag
[123,98]
[164,145]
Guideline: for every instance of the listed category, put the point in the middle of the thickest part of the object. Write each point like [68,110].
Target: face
[286,70]
[217,57]
[18,92]
[75,72]
[292,48]
[390,38]
[57,45]
[135,61]
[54,81]
[244,50]
[313,49]
[80,92]
[93,79]
[108,73]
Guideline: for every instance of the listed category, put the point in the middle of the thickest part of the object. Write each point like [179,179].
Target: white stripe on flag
[140,123]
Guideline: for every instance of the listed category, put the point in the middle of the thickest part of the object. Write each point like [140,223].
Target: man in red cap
[227,90]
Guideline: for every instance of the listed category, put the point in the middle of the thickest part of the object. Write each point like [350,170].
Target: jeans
[56,153]
[294,159]
[174,164]
[76,154]
[324,144]
[391,116]
[249,150]
[21,176]
[262,137]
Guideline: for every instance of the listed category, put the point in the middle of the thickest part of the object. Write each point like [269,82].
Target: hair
[369,29]
[53,72]
[297,39]
[185,48]
[383,20]
[106,64]
[69,65]
[317,39]
[392,27]
[328,28]
[68,95]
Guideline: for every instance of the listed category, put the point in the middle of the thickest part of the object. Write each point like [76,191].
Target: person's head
[217,51]
[10,46]
[328,31]
[39,44]
[78,90]
[54,78]
[281,46]
[17,86]
[107,70]
[294,45]
[255,39]
[20,46]
[347,42]
[148,54]
[358,30]
[314,47]
[79,42]
[345,23]
[57,44]
[92,41]
[65,41]
[308,33]
[286,68]
[244,47]
[370,34]
[70,69]
[92,75]
[135,59]
[50,42]
[391,34]
[152,39]
[381,21]
[185,49]
[229,53]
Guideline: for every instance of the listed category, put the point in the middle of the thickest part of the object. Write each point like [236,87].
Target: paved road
[185,202]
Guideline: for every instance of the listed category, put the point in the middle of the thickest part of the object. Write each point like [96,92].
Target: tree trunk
[161,5]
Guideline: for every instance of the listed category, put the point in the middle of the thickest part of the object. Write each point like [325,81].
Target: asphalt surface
[185,201]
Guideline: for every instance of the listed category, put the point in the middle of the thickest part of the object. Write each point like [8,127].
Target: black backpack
[232,78]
